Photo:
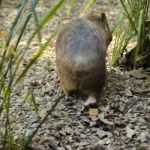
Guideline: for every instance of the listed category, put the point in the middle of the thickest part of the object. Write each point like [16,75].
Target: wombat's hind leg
[69,87]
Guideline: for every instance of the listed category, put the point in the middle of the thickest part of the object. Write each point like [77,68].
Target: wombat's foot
[90,101]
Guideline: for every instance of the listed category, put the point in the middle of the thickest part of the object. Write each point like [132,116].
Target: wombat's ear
[103,17]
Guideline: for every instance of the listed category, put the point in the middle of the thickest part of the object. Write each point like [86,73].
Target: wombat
[80,55]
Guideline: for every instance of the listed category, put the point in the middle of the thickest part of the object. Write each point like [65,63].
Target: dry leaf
[103,134]
[130,132]
[93,111]
[128,93]
[145,146]
[104,120]
[143,136]
[138,74]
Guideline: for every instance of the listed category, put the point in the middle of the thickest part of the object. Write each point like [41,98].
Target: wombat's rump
[80,55]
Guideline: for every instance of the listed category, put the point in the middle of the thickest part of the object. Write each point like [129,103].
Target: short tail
[90,100]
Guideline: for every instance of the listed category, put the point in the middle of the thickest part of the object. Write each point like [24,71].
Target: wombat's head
[101,20]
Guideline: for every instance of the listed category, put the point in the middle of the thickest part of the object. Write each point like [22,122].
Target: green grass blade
[129,17]
[27,140]
[118,21]
[147,8]
[12,31]
[14,25]
[1,2]
[47,18]
[11,56]
[88,5]
[36,56]
[139,35]
[33,100]
[23,30]
[11,51]
[69,7]
[33,6]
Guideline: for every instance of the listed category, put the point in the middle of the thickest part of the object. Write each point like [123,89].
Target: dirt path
[122,124]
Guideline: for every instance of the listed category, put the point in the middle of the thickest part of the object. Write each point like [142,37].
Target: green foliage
[131,26]
[11,59]
[69,7]
[86,7]
[1,2]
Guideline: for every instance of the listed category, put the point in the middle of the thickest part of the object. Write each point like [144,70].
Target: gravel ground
[123,121]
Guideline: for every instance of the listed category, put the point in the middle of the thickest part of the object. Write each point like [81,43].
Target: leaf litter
[123,123]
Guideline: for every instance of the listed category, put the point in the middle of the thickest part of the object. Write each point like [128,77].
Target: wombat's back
[81,46]
[80,56]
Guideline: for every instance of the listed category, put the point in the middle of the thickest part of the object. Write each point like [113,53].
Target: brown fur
[80,54]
